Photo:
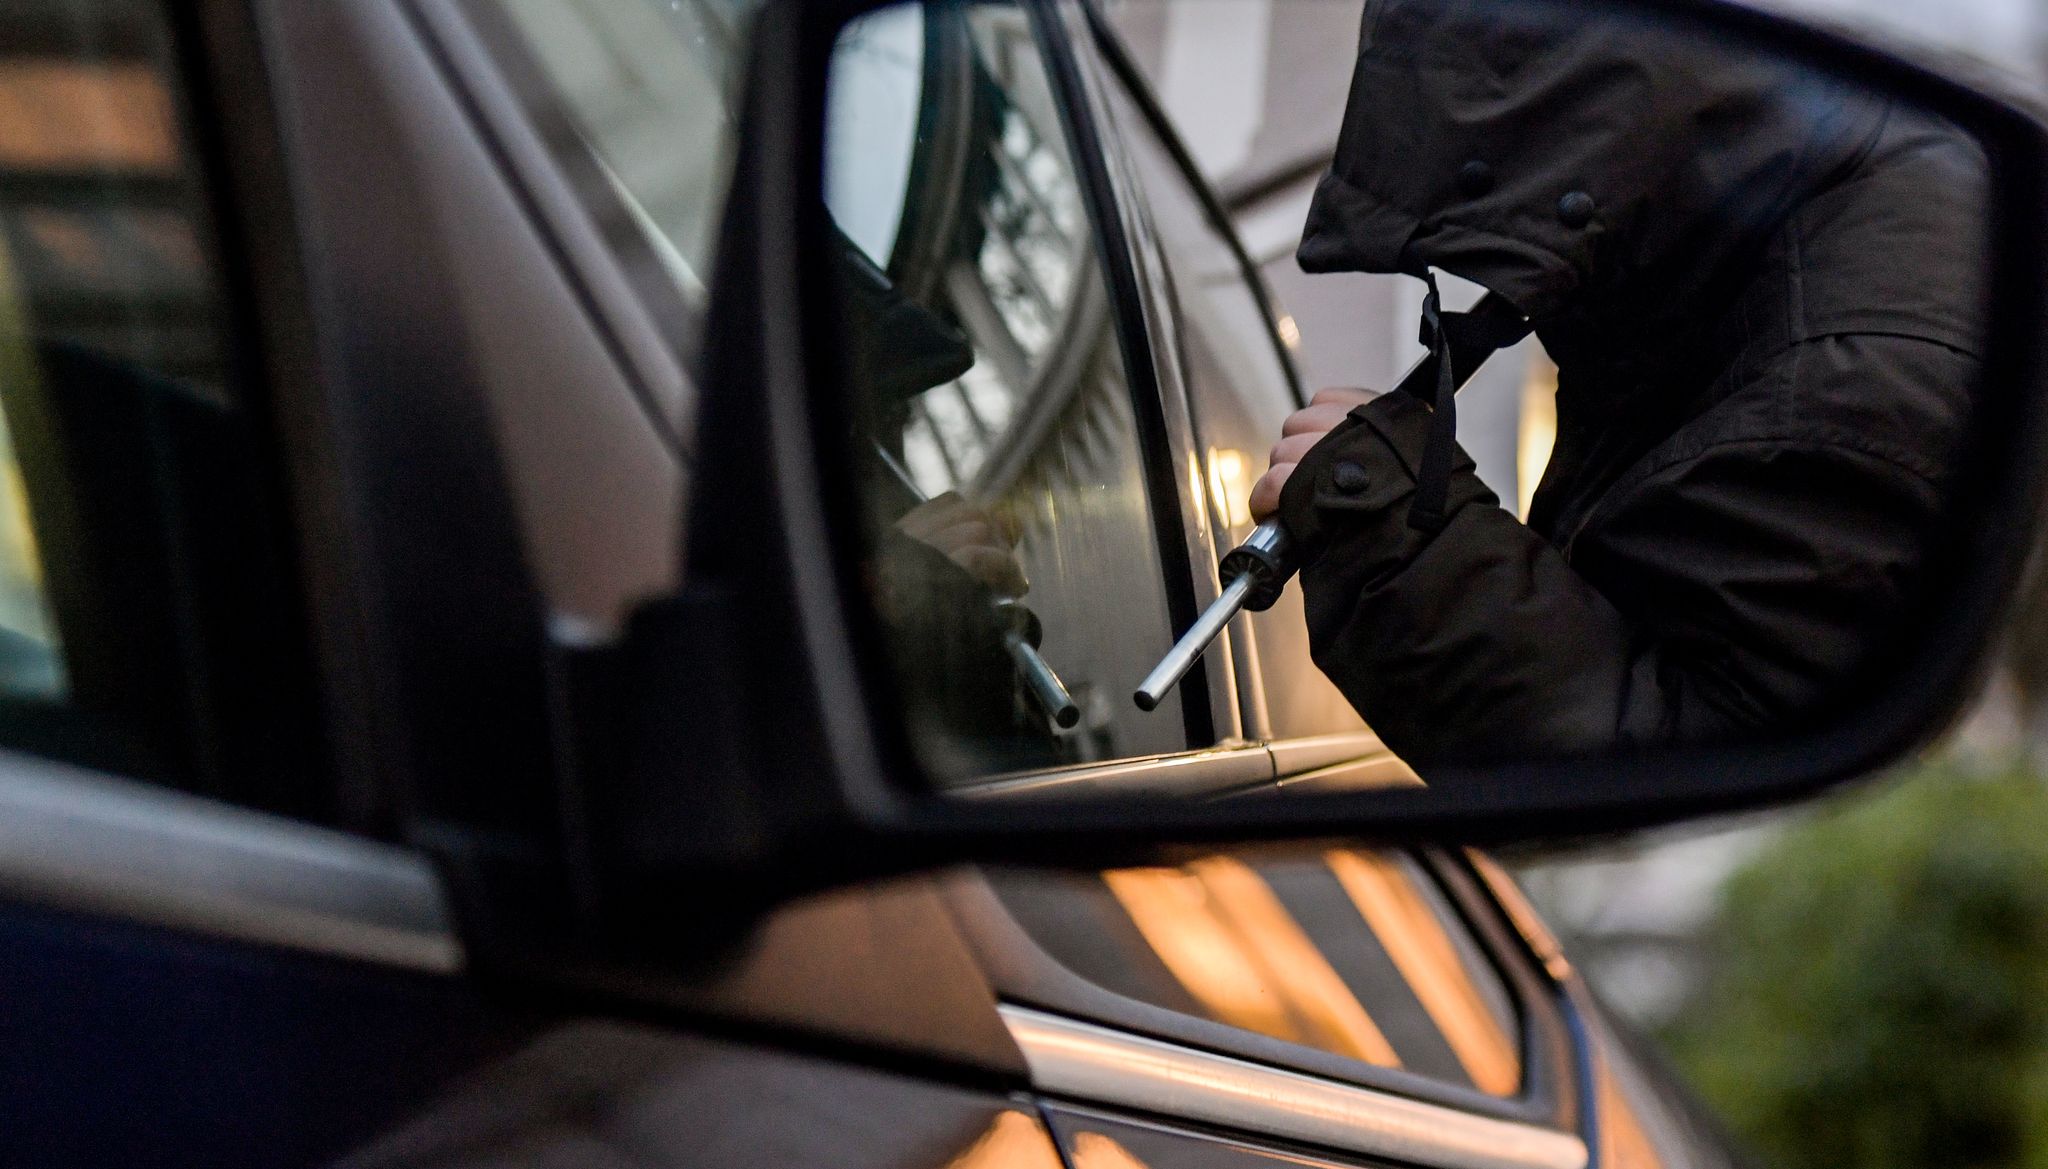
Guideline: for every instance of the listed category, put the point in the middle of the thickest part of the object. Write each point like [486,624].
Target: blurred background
[1860,980]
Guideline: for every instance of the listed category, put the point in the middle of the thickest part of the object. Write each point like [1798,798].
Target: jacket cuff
[1360,478]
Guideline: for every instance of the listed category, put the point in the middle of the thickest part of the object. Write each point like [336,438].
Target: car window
[1352,952]
[992,413]
[649,83]
[1240,389]
[644,91]
[144,611]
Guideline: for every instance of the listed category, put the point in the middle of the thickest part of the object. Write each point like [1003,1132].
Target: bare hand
[968,535]
[1303,429]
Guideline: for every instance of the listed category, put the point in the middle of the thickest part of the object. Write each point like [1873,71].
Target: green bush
[1877,992]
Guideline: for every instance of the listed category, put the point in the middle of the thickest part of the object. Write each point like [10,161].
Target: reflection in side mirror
[1256,572]
[1021,632]
[1766,288]
[995,434]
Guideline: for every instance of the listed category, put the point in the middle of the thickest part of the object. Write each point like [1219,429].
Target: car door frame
[1335,760]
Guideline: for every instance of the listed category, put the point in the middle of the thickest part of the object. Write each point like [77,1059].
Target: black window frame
[1087,138]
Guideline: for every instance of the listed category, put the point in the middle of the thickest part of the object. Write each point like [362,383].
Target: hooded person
[1763,289]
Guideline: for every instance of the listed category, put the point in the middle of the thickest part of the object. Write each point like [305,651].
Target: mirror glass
[993,412]
[1598,387]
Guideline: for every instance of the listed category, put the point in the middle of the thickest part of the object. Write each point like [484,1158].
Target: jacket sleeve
[1730,591]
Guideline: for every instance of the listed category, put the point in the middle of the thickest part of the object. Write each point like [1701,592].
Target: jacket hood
[1563,155]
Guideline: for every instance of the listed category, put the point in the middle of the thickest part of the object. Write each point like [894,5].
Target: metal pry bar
[1256,572]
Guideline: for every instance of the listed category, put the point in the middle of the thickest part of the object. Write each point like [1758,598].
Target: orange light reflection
[1092,1150]
[1421,949]
[60,114]
[1014,1140]
[1221,932]
[1623,1143]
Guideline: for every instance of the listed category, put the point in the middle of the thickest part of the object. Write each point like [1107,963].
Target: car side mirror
[1794,288]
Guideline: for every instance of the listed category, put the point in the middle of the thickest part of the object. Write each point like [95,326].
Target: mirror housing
[746,748]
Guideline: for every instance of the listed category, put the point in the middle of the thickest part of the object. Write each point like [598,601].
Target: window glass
[992,417]
[649,88]
[1241,392]
[97,258]
[1352,952]
[88,263]
[31,662]
[146,621]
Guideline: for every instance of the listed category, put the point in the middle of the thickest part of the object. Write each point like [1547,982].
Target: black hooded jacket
[1764,293]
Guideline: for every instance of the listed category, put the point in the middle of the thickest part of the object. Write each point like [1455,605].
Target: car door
[1235,1009]
[199,968]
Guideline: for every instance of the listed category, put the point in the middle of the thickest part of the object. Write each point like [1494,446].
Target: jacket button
[1475,178]
[1349,478]
[1576,209]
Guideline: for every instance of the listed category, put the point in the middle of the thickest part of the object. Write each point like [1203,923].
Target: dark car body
[442,424]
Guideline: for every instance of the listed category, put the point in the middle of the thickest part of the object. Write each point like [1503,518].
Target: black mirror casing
[742,747]
[750,749]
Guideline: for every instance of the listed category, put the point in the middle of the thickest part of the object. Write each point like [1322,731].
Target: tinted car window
[144,611]
[992,414]
[1352,952]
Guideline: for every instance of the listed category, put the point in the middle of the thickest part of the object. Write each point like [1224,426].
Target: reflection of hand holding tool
[1021,630]
[1256,572]
[1020,637]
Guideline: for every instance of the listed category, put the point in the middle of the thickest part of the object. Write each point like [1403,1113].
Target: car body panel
[481,352]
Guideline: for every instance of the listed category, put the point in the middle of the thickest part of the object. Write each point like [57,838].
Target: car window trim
[1085,1061]
[1346,761]
[1025,974]
[1494,912]
[80,841]
[1171,535]
[1315,752]
[1185,774]
[1354,758]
